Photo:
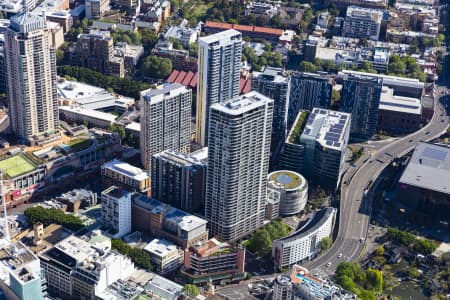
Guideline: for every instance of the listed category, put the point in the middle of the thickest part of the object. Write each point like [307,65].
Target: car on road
[427,132]
[328,264]
[361,240]
[339,255]
[410,140]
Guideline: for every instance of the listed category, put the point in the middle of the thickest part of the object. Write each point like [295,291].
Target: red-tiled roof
[180,77]
[173,76]
[187,79]
[247,87]
[193,83]
[267,30]
[218,25]
[245,28]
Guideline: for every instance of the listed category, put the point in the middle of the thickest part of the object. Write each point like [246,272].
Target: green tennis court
[16,165]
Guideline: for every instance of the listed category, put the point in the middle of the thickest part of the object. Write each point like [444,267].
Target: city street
[355,208]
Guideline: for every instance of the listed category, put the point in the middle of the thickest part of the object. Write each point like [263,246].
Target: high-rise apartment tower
[238,161]
[219,66]
[31,77]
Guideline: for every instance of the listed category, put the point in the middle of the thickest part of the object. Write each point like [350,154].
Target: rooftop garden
[78,145]
[297,129]
[289,180]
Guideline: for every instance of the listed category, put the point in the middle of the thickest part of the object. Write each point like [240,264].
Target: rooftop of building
[160,286]
[92,97]
[398,103]
[173,218]
[162,92]
[211,247]
[244,28]
[96,34]
[387,79]
[327,127]
[297,128]
[364,13]
[429,168]
[91,113]
[315,287]
[11,6]
[76,194]
[126,169]
[272,74]
[53,234]
[48,6]
[241,104]
[128,49]
[26,22]
[115,192]
[286,179]
[17,260]
[160,247]
[188,79]
[220,37]
[185,159]
[16,165]
[314,222]
[71,251]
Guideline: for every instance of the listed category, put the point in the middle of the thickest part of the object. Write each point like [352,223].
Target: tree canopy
[47,216]
[156,67]
[191,290]
[261,241]
[123,86]
[325,243]
[139,256]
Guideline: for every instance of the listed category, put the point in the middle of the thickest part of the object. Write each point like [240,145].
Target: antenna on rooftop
[2,193]
[25,6]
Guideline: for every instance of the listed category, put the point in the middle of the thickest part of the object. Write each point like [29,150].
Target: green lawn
[196,10]
[16,165]
[80,144]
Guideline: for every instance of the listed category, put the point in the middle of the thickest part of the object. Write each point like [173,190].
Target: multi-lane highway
[355,208]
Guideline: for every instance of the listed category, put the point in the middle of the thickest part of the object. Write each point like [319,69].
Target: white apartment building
[238,162]
[164,255]
[219,67]
[165,121]
[116,211]
[31,74]
[130,176]
[304,243]
[362,22]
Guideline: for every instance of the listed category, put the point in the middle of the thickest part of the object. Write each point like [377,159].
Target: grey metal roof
[429,168]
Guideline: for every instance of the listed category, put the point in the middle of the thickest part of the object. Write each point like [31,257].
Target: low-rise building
[82,115]
[289,189]
[362,23]
[361,3]
[260,8]
[130,53]
[74,93]
[81,268]
[424,188]
[271,34]
[186,36]
[402,86]
[162,288]
[165,255]
[164,221]
[304,243]
[301,285]
[397,114]
[213,260]
[125,175]
[78,199]
[180,58]
[116,211]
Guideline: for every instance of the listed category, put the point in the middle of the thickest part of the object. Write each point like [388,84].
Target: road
[355,208]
